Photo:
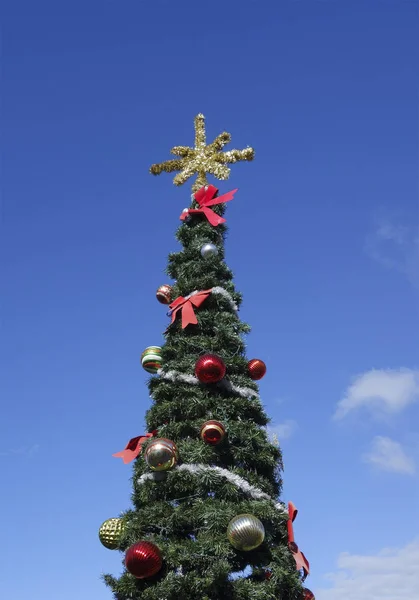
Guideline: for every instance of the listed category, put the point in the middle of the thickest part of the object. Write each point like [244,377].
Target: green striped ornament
[151,359]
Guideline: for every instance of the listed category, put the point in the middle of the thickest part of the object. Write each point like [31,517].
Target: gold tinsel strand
[202,159]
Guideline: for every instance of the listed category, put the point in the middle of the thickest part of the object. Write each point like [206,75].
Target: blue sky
[323,241]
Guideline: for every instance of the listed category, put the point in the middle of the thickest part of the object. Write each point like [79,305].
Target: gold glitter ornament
[245,532]
[202,158]
[110,532]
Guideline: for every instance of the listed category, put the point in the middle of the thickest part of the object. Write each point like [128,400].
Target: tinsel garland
[174,376]
[222,292]
[238,481]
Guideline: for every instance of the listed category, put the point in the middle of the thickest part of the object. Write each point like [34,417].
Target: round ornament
[143,559]
[210,368]
[110,532]
[151,359]
[188,216]
[161,454]
[257,368]
[209,250]
[245,532]
[308,595]
[164,294]
[212,432]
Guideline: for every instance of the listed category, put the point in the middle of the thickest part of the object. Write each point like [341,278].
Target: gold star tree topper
[203,158]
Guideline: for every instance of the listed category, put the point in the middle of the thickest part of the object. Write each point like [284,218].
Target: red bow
[205,198]
[133,448]
[300,559]
[186,305]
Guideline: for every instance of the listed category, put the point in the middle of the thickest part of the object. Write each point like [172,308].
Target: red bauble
[143,560]
[257,368]
[164,294]
[212,432]
[308,595]
[210,368]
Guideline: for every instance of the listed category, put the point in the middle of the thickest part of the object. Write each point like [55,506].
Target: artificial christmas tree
[206,522]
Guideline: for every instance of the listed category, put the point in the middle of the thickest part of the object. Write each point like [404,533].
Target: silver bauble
[245,532]
[208,250]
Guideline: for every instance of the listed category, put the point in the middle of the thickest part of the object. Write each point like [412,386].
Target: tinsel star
[203,158]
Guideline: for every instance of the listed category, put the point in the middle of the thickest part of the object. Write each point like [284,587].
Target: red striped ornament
[164,294]
[143,559]
[256,368]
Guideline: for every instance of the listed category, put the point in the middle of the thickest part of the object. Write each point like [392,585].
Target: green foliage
[187,514]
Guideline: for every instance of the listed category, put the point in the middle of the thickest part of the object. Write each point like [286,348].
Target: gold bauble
[110,532]
[161,454]
[245,532]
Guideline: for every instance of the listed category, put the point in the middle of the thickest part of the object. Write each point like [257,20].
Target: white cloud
[284,430]
[380,390]
[395,247]
[388,455]
[22,451]
[392,574]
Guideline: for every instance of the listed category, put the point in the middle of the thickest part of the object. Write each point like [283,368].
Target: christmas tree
[206,521]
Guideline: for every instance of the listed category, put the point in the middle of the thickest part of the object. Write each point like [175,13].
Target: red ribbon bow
[186,306]
[133,448]
[205,198]
[300,560]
